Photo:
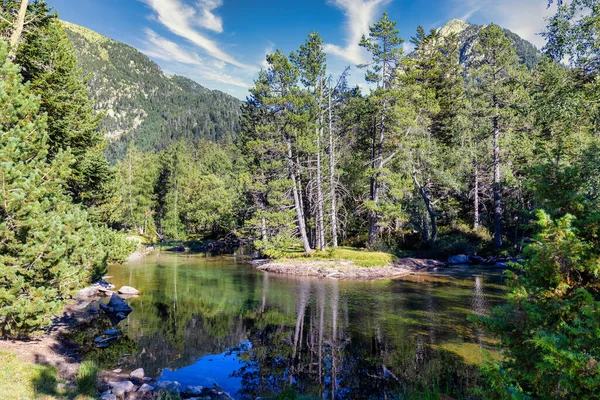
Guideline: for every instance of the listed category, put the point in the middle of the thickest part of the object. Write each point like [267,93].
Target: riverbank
[347,269]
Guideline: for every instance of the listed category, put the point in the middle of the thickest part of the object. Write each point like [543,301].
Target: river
[204,320]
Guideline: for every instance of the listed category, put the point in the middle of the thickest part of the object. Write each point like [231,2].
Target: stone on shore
[128,290]
[120,388]
[145,388]
[137,374]
[118,305]
[108,396]
[171,386]
[459,259]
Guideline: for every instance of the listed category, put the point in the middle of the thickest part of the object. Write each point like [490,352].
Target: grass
[360,257]
[24,381]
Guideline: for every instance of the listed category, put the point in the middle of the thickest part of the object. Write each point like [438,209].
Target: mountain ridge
[142,104]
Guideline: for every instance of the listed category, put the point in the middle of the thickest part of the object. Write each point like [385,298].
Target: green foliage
[47,246]
[142,105]
[87,378]
[550,326]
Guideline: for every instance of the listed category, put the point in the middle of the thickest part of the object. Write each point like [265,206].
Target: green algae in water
[203,320]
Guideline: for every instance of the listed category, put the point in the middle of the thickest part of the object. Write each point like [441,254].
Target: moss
[360,257]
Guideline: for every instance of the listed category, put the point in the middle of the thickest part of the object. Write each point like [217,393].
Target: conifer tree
[386,50]
[495,70]
[47,246]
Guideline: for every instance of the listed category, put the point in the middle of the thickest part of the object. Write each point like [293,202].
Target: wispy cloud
[184,20]
[359,15]
[268,50]
[190,63]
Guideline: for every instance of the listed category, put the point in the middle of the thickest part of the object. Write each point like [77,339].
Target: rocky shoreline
[347,270]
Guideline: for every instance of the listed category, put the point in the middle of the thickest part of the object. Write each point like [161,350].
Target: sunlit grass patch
[360,257]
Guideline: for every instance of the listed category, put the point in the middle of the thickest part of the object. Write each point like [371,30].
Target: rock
[477,259]
[112,332]
[171,386]
[192,391]
[119,305]
[117,371]
[93,310]
[106,308]
[87,293]
[121,315]
[120,388]
[102,283]
[145,388]
[108,396]
[179,249]
[128,290]
[459,259]
[137,374]
[147,379]
[501,265]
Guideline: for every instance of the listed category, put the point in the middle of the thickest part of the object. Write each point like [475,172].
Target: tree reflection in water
[324,338]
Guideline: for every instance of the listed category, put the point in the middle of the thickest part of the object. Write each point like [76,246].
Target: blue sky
[222,43]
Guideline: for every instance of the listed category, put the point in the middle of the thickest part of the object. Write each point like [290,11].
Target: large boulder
[128,290]
[459,259]
[118,305]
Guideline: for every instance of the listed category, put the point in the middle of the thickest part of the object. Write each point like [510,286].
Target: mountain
[142,104]
[468,35]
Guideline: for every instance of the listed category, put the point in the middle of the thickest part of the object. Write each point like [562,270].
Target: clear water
[204,320]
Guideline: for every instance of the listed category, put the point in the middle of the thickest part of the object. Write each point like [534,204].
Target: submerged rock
[192,391]
[459,259]
[171,386]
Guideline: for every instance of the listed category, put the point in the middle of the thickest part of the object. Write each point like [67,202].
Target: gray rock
[171,386]
[459,259]
[108,396]
[93,310]
[119,305]
[145,388]
[477,259]
[192,391]
[106,308]
[128,290]
[87,293]
[112,332]
[120,388]
[137,374]
[117,371]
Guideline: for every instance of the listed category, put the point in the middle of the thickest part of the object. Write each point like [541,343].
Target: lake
[204,320]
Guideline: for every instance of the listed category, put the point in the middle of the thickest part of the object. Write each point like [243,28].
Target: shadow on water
[202,320]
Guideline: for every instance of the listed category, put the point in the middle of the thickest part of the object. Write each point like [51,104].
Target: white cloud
[185,61]
[207,19]
[407,47]
[183,20]
[268,50]
[526,18]
[359,15]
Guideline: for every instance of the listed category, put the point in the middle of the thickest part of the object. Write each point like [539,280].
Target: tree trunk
[320,209]
[497,189]
[334,241]
[430,211]
[476,199]
[18,30]
[297,205]
[375,184]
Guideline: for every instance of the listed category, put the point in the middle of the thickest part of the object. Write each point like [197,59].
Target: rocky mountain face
[142,104]
[468,34]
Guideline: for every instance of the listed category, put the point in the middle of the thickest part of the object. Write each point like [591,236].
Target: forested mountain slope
[468,34]
[144,105]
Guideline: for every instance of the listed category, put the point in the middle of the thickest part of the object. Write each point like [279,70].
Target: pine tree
[49,64]
[386,49]
[495,70]
[47,246]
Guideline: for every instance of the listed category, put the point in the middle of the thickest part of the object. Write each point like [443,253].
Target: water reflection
[206,320]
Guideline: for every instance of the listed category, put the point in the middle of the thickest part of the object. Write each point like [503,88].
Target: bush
[550,326]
